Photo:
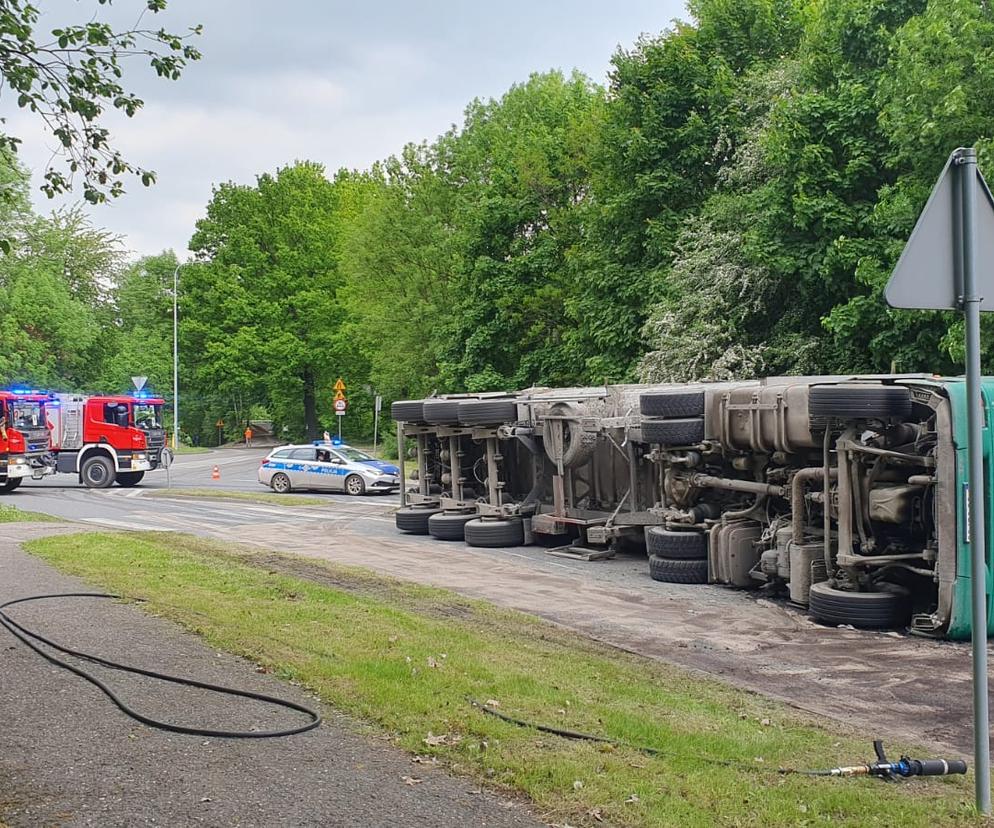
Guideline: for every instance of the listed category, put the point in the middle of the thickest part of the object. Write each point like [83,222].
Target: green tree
[673,120]
[260,310]
[522,168]
[142,330]
[70,77]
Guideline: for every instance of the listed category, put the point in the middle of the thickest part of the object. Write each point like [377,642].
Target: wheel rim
[97,473]
[281,484]
[353,485]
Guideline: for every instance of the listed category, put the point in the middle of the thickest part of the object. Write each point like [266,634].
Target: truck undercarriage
[838,494]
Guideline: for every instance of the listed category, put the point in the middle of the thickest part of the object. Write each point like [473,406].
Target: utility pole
[176,356]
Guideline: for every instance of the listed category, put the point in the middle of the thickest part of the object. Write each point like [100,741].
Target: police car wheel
[10,484]
[280,483]
[354,485]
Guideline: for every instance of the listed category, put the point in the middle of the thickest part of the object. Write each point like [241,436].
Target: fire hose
[883,769]
[33,640]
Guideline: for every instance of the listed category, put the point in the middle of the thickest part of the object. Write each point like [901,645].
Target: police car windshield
[352,454]
[26,414]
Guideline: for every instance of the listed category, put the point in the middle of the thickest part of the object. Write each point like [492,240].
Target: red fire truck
[107,439]
[24,437]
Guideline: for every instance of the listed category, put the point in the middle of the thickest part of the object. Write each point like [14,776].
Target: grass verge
[406,657]
[11,514]
[252,497]
[181,449]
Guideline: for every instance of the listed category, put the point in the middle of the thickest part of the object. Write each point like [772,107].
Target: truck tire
[672,404]
[494,534]
[414,519]
[97,472]
[127,479]
[853,402]
[487,412]
[10,484]
[676,546]
[889,607]
[681,432]
[449,526]
[678,571]
[441,412]
[408,411]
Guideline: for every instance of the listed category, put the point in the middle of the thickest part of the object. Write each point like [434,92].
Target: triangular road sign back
[927,274]
[139,382]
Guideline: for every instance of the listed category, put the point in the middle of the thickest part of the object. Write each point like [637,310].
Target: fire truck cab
[24,438]
[107,439]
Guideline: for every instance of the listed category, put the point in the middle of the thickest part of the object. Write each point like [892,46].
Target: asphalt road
[69,758]
[238,467]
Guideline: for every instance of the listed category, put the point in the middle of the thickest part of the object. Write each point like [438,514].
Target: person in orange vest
[248,436]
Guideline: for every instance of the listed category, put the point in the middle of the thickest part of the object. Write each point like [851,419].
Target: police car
[321,465]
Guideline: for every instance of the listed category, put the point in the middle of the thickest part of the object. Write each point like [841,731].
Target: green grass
[11,514]
[224,494]
[181,449]
[406,657]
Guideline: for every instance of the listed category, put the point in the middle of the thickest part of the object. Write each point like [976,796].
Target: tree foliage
[731,204]
[71,76]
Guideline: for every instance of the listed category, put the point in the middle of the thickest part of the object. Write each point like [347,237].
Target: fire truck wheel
[280,483]
[129,478]
[10,485]
[354,485]
[97,472]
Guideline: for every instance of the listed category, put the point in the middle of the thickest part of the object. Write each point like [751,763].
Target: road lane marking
[121,524]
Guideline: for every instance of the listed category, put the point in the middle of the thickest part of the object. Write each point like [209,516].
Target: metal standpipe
[967,173]
[455,467]
[401,471]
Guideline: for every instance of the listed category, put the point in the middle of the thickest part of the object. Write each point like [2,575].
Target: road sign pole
[377,403]
[967,168]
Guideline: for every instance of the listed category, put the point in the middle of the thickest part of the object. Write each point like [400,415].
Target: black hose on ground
[881,769]
[30,638]
[589,737]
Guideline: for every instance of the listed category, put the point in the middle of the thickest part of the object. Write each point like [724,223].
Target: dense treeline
[730,204]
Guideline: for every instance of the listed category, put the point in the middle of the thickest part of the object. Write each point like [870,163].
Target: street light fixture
[176,357]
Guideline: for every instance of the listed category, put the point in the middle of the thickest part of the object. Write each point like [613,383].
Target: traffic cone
[216,473]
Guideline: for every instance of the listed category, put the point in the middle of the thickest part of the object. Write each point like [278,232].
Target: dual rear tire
[677,557]
[672,418]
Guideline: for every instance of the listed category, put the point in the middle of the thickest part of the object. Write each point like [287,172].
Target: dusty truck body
[462,470]
[24,438]
[842,495]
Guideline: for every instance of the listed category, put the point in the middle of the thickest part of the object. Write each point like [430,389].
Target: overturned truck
[843,495]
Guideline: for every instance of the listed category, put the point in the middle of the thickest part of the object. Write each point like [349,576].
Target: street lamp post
[176,357]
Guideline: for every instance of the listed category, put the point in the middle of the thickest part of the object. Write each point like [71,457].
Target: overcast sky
[342,83]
